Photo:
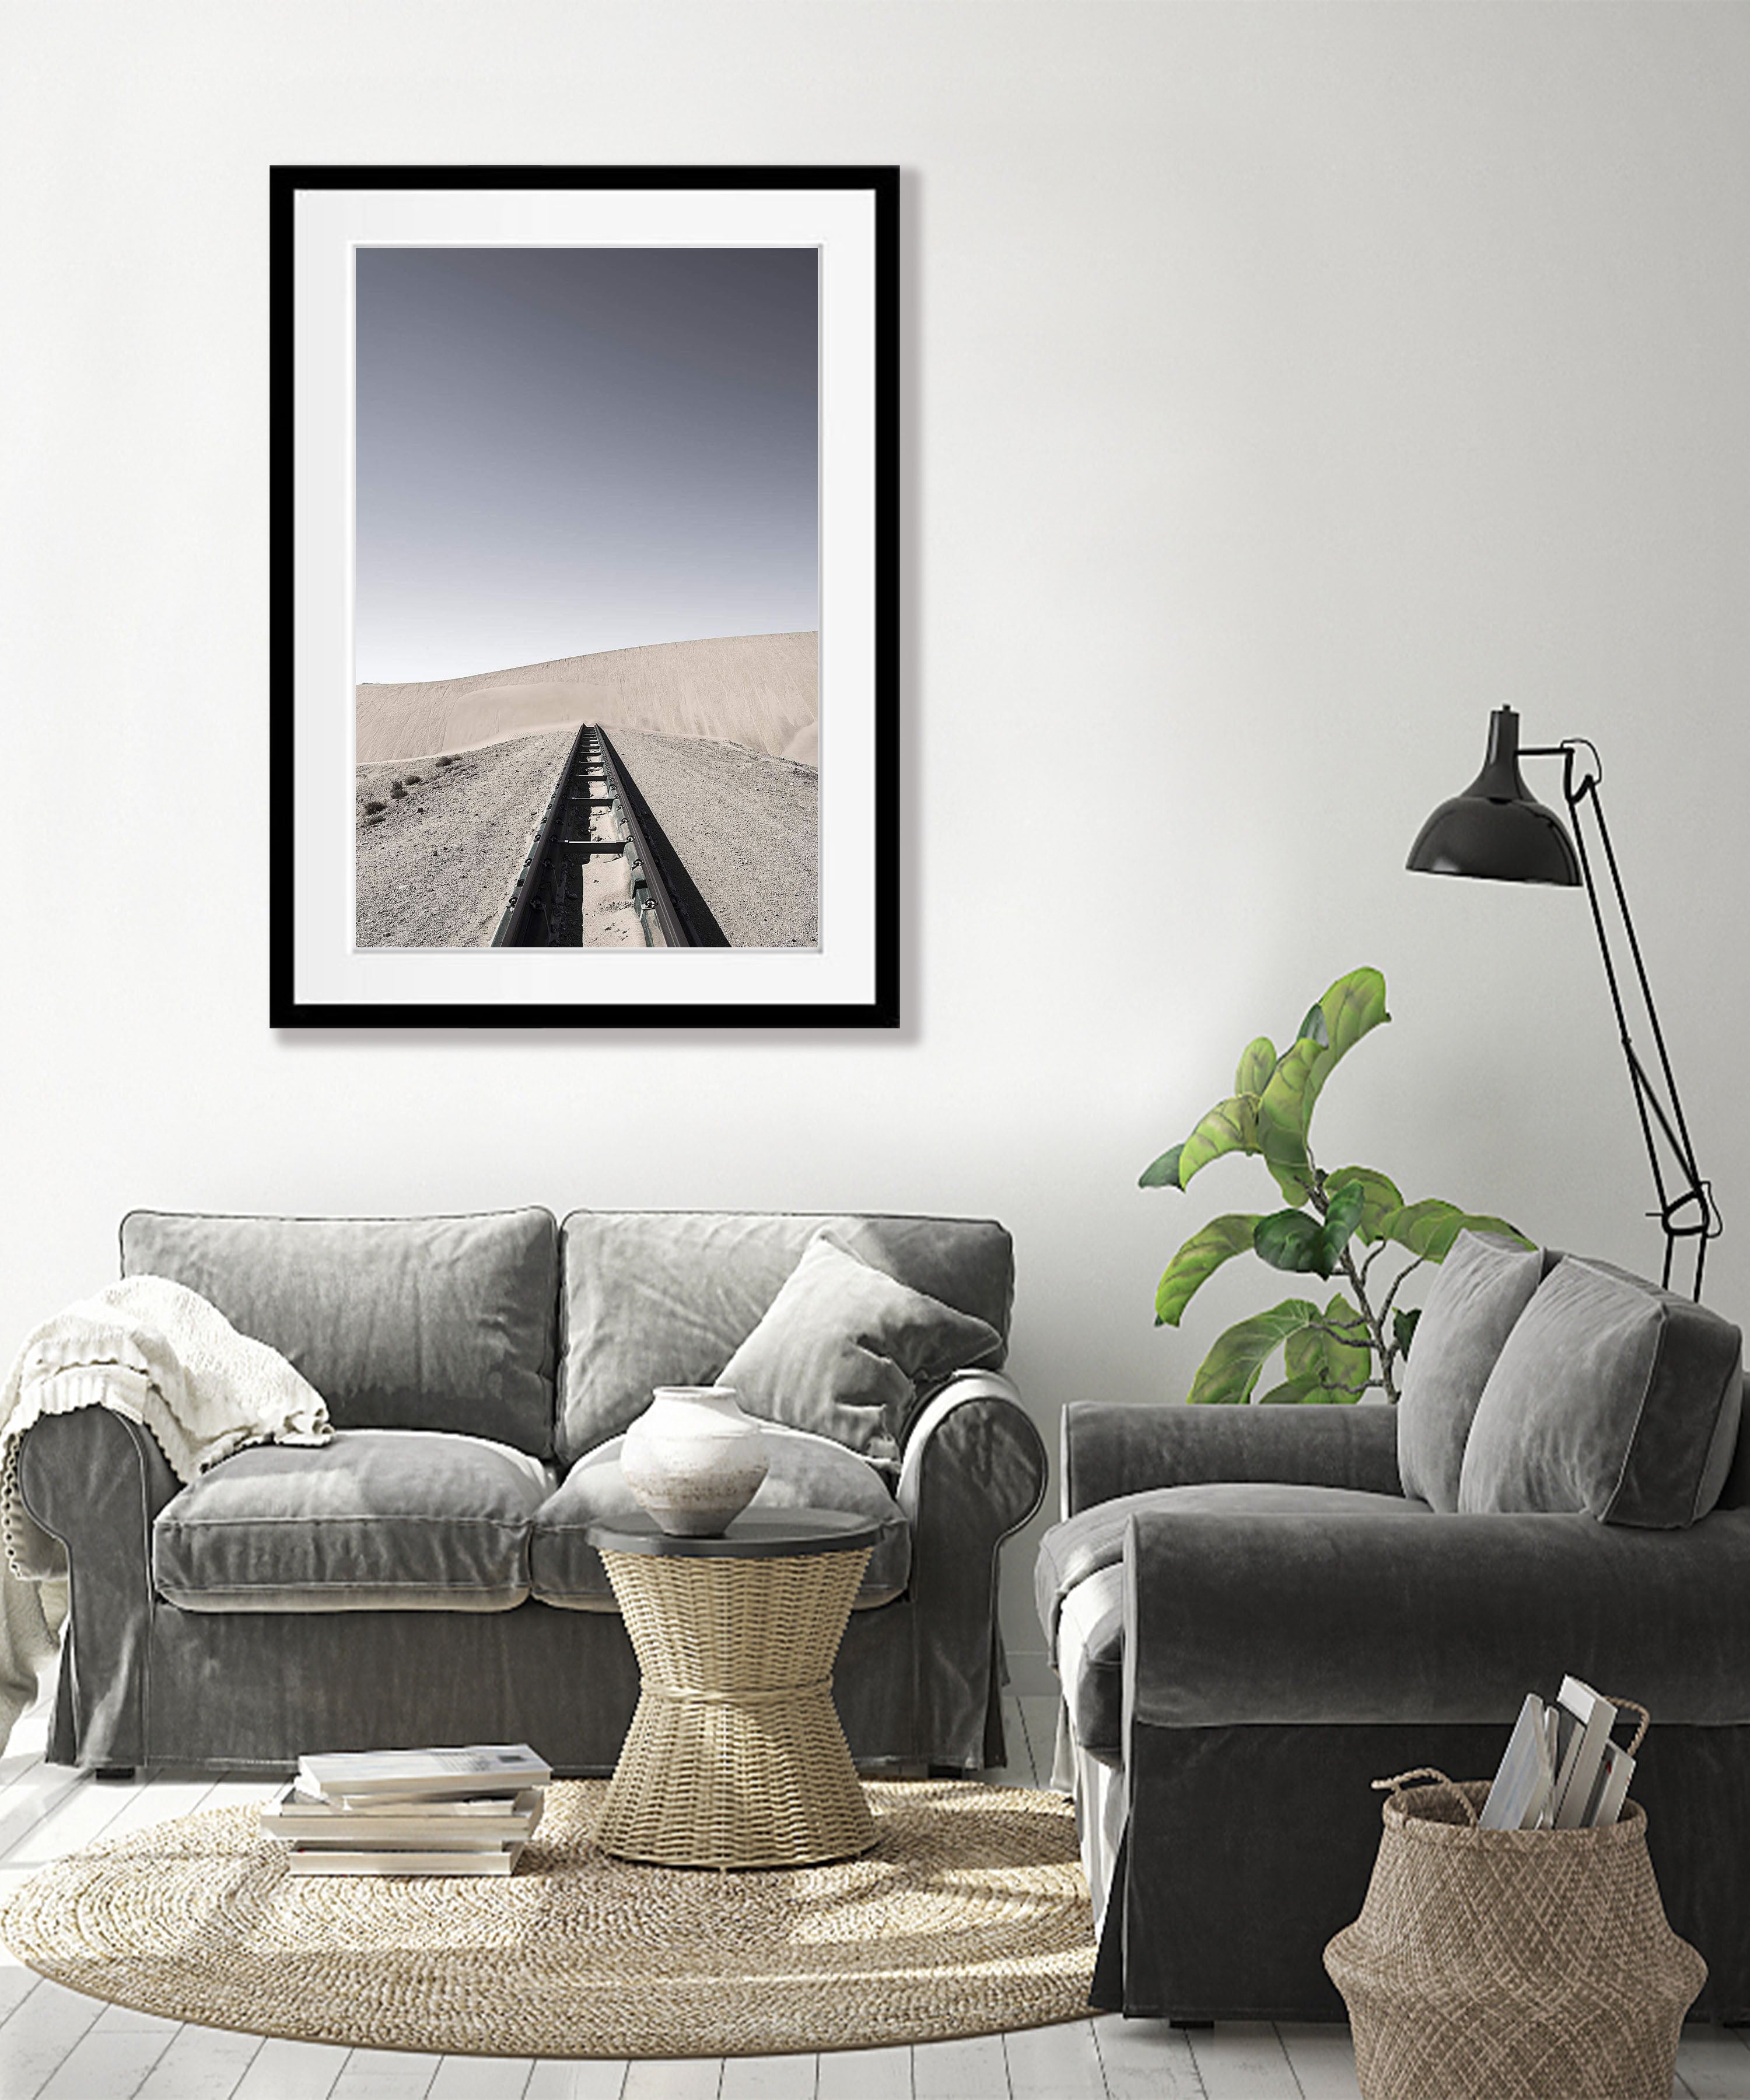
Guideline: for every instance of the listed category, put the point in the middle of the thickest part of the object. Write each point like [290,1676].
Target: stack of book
[448,1812]
[1561,1771]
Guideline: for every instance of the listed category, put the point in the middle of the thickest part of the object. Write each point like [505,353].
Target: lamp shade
[1497,829]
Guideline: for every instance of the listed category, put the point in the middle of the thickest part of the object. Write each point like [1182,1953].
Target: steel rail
[511,923]
[687,920]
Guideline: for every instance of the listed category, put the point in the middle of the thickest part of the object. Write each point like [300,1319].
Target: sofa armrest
[974,1471]
[1288,1620]
[1111,1449]
[95,1479]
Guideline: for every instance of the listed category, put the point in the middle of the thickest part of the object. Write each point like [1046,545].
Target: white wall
[1286,387]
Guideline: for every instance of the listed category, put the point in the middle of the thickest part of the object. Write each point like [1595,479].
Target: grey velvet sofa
[1253,1620]
[424,1578]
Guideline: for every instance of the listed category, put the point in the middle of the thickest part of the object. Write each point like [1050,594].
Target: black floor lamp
[1498,831]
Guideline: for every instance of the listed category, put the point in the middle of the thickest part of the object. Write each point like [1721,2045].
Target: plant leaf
[1343,1215]
[1291,1392]
[1198,1259]
[1163,1173]
[1227,1374]
[1257,1060]
[1380,1198]
[1231,1126]
[1339,1367]
[1353,1007]
[1404,1328]
[1429,1228]
[1291,1240]
[1281,1128]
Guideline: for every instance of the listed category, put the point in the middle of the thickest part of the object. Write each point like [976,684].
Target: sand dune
[759,690]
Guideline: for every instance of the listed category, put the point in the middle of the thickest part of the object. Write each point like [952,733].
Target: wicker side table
[735,1756]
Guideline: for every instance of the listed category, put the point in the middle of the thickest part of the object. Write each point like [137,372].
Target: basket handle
[1394,1787]
[1634,1706]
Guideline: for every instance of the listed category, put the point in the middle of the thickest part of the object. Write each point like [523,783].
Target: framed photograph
[585,545]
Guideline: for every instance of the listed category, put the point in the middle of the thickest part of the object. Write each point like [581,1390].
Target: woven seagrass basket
[1518,1965]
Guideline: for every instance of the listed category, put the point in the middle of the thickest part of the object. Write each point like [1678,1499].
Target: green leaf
[1429,1228]
[1163,1173]
[1227,1374]
[1291,1240]
[1257,1060]
[1403,1328]
[1379,1194]
[1282,1122]
[1339,1366]
[1231,1126]
[1302,1244]
[1353,1007]
[1341,1216]
[1198,1260]
[1292,1393]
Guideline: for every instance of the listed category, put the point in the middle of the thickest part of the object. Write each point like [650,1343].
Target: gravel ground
[436,860]
[746,829]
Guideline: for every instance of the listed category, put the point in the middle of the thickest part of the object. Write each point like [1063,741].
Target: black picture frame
[318,977]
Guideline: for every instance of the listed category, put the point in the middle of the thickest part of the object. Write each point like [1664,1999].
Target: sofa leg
[113,1771]
[1192,2026]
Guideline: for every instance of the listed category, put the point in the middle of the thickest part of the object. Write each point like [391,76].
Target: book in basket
[1561,1770]
[475,1769]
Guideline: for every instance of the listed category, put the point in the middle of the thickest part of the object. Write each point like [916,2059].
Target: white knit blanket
[157,1353]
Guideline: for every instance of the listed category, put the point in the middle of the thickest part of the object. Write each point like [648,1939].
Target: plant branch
[1376,1329]
[1385,1310]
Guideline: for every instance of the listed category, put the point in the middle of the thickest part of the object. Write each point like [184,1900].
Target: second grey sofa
[424,1578]
[1256,1612]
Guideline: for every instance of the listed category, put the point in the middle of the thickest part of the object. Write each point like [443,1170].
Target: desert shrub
[412,780]
[375,808]
[445,761]
[397,791]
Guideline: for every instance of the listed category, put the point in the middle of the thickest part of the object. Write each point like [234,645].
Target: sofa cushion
[399,1519]
[843,1350]
[667,1297]
[399,1323]
[1481,1288]
[806,1472]
[1612,1397]
[1081,1546]
[1090,1663]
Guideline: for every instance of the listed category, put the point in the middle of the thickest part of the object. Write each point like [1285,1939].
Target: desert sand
[758,690]
[746,829]
[436,861]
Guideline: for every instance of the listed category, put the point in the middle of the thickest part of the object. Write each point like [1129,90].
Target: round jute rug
[970,1915]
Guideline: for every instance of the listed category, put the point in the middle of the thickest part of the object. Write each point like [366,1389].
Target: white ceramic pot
[694,1460]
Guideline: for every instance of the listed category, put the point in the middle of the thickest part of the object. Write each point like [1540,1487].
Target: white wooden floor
[56,2044]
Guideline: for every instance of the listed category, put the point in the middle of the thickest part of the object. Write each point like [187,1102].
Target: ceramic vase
[694,1460]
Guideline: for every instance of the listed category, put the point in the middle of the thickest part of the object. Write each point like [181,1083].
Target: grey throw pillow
[842,1348]
[1612,1397]
[1484,1284]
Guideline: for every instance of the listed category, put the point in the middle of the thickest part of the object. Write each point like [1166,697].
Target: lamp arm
[1691,1213]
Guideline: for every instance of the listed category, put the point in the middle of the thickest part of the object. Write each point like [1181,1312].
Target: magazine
[320,1859]
[1560,1769]
[473,1825]
[475,1769]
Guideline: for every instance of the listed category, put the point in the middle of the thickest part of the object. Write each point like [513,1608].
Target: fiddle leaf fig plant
[1332,1224]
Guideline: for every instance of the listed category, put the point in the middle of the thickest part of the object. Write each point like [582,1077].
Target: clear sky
[566,449]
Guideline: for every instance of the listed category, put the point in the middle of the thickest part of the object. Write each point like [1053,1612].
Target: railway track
[600,852]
